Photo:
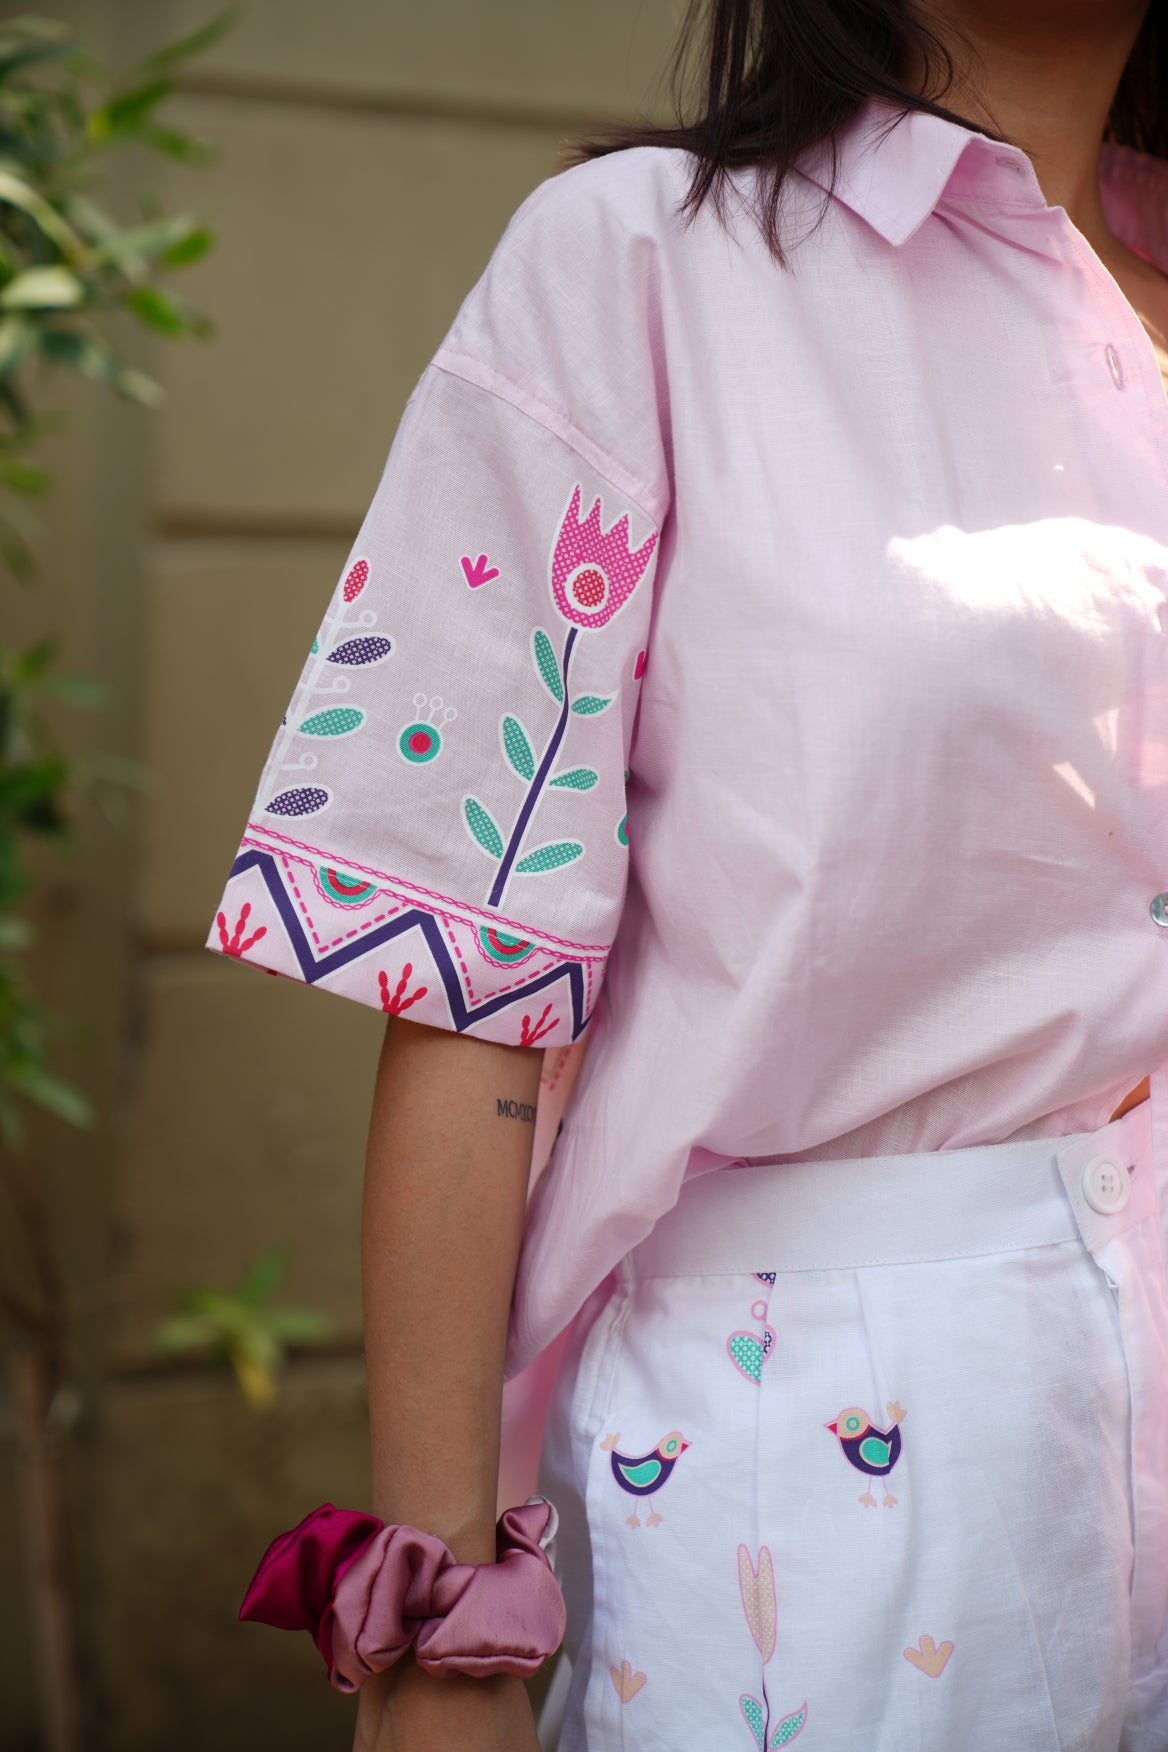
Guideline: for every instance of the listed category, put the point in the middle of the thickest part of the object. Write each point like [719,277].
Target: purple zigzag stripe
[314,969]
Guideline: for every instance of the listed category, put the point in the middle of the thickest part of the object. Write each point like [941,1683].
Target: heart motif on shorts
[748,1352]
[928,1658]
[626,1681]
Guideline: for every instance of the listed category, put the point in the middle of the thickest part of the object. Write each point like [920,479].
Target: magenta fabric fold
[368,1592]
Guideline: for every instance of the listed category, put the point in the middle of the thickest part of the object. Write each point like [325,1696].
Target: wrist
[369,1593]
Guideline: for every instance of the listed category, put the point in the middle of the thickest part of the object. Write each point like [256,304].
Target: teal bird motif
[642,1475]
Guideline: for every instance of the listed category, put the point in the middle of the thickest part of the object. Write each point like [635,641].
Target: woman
[825,522]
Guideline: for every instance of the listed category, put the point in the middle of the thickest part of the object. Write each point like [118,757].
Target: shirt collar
[893,172]
[893,169]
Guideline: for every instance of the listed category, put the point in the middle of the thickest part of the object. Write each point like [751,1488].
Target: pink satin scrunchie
[367,1592]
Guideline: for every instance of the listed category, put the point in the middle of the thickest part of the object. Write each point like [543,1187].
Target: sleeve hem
[298,911]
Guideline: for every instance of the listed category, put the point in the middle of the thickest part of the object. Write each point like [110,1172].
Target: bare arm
[446,1175]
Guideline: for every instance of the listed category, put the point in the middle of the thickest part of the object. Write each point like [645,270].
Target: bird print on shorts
[871,1451]
[642,1475]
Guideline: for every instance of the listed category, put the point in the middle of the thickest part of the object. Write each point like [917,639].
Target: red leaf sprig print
[234,942]
[393,1003]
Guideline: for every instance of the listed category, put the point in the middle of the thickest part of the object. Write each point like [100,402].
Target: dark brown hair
[775,77]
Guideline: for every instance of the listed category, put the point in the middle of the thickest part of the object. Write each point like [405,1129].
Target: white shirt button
[1105,1185]
[1159,910]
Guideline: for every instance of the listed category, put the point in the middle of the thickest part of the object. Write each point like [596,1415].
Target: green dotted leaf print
[588,705]
[788,1728]
[482,827]
[517,747]
[336,721]
[755,1719]
[578,779]
[549,857]
[546,666]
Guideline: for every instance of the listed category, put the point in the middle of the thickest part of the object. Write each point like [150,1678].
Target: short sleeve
[440,828]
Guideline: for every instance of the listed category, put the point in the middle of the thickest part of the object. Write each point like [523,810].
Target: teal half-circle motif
[346,890]
[508,951]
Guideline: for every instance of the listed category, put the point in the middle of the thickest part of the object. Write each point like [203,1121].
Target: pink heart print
[478,571]
[627,1682]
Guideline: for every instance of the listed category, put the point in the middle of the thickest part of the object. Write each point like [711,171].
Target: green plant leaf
[184,250]
[43,289]
[158,310]
[15,934]
[197,43]
[24,41]
[16,192]
[124,116]
[18,338]
[57,1097]
[549,857]
[135,249]
[577,779]
[298,1325]
[588,705]
[24,477]
[182,147]
[482,826]
[263,1276]
[93,357]
[184,1332]
[517,747]
[546,666]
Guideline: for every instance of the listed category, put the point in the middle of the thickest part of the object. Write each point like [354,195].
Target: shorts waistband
[898,1210]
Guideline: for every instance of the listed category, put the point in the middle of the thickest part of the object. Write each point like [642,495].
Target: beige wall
[372,152]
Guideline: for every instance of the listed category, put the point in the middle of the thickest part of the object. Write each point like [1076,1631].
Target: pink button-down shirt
[848,584]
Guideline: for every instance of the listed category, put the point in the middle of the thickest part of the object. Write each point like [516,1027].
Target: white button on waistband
[1159,910]
[1114,365]
[1105,1185]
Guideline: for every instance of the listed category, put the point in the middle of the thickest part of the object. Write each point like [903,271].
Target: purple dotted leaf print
[373,648]
[299,801]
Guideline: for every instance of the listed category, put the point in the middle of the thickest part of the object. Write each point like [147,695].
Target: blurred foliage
[69,270]
[242,1329]
[67,265]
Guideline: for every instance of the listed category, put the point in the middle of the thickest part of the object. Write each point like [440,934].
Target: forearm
[446,1176]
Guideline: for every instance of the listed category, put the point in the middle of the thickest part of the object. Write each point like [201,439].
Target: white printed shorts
[873,1456]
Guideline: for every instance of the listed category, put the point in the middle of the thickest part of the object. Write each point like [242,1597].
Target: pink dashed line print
[478,571]
[266,839]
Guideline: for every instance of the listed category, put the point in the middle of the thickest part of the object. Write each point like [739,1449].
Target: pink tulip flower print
[593,573]
[756,1583]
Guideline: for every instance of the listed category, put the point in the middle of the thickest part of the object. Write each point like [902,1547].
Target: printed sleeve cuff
[299,911]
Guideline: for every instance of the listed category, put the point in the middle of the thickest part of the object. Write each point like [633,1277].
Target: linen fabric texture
[871,1454]
[846,586]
